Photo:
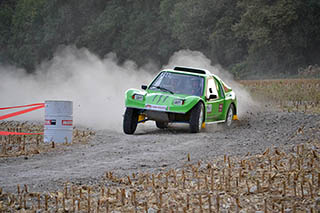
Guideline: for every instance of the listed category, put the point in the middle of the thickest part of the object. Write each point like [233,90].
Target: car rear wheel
[229,119]
[161,125]
[130,121]
[196,118]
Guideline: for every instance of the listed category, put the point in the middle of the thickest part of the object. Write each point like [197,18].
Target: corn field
[273,181]
[18,145]
[288,94]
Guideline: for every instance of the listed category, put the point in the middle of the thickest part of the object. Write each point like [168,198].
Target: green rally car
[181,95]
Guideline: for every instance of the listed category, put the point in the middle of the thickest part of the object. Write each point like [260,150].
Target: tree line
[244,36]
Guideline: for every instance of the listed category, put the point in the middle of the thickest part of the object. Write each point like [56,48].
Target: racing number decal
[220,107]
[66,122]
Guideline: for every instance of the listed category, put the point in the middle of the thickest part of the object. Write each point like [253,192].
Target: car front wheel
[130,121]
[196,118]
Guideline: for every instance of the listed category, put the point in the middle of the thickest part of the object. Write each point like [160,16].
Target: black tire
[229,118]
[196,118]
[162,125]
[130,121]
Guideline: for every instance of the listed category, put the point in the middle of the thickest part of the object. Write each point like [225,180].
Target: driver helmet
[195,82]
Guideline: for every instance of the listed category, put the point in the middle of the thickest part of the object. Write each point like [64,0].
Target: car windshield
[178,83]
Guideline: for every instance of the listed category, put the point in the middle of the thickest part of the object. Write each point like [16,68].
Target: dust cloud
[95,85]
[199,60]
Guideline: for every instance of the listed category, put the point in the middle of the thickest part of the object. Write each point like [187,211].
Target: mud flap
[141,118]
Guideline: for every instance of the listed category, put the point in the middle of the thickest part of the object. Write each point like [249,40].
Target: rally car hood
[161,101]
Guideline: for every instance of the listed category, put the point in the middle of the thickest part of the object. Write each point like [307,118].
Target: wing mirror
[144,87]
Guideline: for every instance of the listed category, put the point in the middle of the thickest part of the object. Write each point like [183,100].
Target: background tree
[269,37]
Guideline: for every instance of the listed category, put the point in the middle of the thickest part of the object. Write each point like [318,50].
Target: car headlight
[137,97]
[178,102]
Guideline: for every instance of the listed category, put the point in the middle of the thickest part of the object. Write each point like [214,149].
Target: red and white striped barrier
[31,107]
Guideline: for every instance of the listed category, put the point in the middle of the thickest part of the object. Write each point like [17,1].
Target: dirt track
[151,149]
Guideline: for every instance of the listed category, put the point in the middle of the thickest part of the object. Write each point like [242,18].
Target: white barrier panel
[58,125]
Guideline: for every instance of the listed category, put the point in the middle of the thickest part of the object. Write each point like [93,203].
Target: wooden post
[269,181]
[312,178]
[39,203]
[218,202]
[270,164]
[102,191]
[79,205]
[129,180]
[46,202]
[25,201]
[284,189]
[80,193]
[73,203]
[98,205]
[209,203]
[4,148]
[57,201]
[167,182]
[188,201]
[146,206]
[302,194]
[212,180]
[107,206]
[248,188]
[160,200]
[311,190]
[238,204]
[123,195]
[89,203]
[25,188]
[206,182]
[183,179]
[200,203]
[153,181]
[20,201]
[229,162]
[66,191]
[63,203]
